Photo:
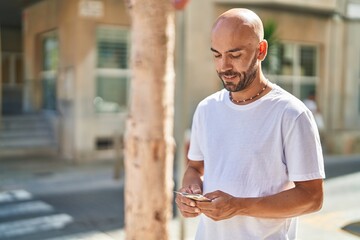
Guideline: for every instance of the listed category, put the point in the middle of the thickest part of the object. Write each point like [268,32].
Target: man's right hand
[187,206]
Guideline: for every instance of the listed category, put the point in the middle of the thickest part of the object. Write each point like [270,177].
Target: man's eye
[217,56]
[236,56]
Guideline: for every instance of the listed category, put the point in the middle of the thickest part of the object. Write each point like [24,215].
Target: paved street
[49,199]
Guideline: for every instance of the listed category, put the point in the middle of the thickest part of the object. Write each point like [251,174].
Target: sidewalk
[341,207]
[46,198]
[341,203]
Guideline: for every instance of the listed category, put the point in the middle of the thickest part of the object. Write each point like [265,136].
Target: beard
[245,78]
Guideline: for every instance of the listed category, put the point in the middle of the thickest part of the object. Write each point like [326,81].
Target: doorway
[12,83]
[49,70]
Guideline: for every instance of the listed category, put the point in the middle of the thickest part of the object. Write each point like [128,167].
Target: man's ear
[263,47]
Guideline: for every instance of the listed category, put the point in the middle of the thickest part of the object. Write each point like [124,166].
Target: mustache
[229,73]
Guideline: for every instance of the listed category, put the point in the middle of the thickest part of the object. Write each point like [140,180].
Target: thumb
[195,189]
[213,195]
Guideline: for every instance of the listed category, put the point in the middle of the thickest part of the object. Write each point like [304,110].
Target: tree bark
[149,144]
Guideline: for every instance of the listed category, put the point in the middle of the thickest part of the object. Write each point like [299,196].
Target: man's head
[238,45]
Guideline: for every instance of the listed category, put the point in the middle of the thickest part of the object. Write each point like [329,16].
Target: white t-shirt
[254,150]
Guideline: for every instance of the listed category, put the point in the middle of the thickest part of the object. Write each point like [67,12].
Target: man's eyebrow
[213,50]
[228,51]
[234,50]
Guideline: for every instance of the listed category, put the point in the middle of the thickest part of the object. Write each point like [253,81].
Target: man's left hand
[222,206]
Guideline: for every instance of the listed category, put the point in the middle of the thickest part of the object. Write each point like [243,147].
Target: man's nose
[225,64]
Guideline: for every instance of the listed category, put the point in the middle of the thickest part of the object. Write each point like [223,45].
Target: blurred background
[65,89]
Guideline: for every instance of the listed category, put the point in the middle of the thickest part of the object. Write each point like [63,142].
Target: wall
[11,40]
[320,22]
[352,79]
[320,5]
[345,135]
[77,123]
[200,75]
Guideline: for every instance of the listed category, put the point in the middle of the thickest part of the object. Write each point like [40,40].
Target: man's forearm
[293,202]
[192,176]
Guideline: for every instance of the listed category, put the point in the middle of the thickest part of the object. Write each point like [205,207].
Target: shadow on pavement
[353,228]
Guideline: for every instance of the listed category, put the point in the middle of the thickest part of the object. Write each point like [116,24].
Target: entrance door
[12,82]
[50,59]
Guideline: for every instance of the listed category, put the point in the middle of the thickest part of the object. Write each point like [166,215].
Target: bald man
[254,151]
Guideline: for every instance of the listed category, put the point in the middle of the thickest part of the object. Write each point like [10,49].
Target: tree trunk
[149,144]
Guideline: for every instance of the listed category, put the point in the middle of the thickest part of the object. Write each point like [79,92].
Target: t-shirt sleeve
[302,149]
[195,152]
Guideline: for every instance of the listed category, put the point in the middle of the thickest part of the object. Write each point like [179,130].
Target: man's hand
[305,197]
[187,206]
[221,206]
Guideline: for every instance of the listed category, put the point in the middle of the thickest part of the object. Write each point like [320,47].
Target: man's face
[235,55]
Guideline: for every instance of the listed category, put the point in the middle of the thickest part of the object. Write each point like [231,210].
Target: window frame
[296,79]
[103,72]
[49,76]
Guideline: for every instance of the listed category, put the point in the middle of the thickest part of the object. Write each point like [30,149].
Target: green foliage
[270,34]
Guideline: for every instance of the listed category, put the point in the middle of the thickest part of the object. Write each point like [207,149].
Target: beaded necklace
[248,99]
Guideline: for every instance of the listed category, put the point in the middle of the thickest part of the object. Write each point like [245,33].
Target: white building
[75,69]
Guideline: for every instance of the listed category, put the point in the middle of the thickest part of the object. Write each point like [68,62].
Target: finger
[190,210]
[205,206]
[184,200]
[189,215]
[213,195]
[185,189]
[195,189]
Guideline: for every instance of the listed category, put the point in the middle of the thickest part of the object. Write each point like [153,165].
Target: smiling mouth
[229,76]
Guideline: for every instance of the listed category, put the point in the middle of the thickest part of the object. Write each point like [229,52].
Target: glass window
[111,94]
[112,55]
[287,59]
[50,53]
[5,69]
[296,68]
[19,70]
[50,59]
[287,85]
[306,89]
[113,74]
[112,47]
[359,85]
[12,72]
[359,99]
[308,60]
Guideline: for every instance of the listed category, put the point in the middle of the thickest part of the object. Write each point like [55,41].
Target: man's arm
[193,174]
[305,197]
[192,183]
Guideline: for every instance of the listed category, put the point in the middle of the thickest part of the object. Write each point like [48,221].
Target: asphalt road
[64,203]
[336,166]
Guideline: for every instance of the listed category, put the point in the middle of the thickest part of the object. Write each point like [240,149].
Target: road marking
[15,195]
[85,236]
[24,208]
[34,225]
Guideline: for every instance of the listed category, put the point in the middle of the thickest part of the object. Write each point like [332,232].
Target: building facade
[319,51]
[76,71]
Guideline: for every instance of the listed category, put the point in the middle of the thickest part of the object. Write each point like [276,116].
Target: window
[359,87]
[113,73]
[12,72]
[294,67]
